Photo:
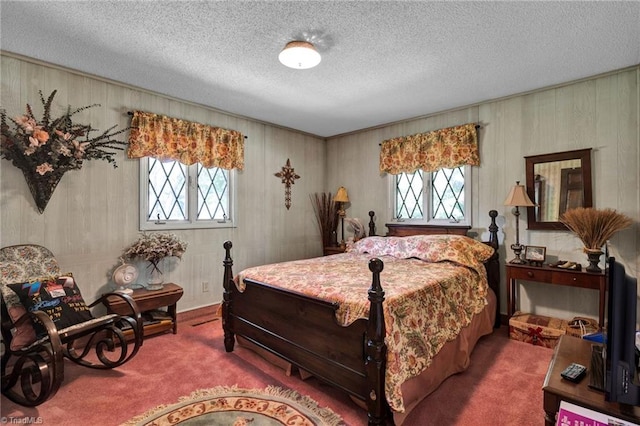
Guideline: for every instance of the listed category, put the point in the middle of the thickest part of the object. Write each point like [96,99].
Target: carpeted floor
[501,387]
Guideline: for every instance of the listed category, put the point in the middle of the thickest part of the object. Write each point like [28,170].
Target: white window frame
[426,201]
[148,224]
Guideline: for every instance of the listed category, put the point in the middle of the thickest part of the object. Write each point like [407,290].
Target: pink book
[573,415]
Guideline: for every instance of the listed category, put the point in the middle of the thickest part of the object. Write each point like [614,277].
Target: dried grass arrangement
[593,226]
[326,211]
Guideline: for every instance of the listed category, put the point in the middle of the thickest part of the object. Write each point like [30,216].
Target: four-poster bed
[361,349]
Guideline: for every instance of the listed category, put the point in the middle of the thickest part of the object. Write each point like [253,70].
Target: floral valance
[167,138]
[430,151]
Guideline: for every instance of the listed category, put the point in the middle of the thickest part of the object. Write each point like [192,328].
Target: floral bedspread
[426,303]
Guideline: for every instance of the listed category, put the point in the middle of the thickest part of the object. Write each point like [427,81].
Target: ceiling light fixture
[300,55]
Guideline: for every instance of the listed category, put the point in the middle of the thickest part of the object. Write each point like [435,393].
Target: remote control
[574,372]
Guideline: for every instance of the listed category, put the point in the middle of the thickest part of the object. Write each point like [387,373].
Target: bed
[366,346]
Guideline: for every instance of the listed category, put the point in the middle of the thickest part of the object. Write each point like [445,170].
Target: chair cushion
[58,297]
[22,263]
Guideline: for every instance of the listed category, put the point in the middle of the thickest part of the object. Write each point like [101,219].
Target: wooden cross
[288,177]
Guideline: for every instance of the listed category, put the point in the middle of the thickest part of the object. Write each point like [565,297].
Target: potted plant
[153,247]
[594,227]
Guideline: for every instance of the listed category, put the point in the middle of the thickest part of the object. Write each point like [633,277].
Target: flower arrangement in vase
[594,227]
[153,247]
[326,212]
[44,150]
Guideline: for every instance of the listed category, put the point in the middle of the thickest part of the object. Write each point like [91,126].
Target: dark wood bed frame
[350,358]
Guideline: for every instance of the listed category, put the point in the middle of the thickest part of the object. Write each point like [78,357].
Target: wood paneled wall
[93,214]
[599,113]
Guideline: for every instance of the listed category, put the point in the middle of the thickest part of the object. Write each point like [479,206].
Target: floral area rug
[231,406]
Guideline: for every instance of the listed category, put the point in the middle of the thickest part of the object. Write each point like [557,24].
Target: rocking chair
[45,320]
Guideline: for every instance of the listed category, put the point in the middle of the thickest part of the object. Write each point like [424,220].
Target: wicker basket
[538,330]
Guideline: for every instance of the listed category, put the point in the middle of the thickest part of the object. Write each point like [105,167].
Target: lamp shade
[518,197]
[341,195]
[299,55]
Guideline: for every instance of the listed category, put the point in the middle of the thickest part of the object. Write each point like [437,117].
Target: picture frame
[535,255]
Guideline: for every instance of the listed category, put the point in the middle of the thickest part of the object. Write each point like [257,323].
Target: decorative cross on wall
[288,177]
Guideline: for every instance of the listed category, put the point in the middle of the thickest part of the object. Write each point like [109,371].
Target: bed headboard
[401,229]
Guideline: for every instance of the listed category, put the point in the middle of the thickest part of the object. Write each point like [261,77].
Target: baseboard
[203,311]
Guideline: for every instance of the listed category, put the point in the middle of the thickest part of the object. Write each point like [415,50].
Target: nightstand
[151,300]
[333,250]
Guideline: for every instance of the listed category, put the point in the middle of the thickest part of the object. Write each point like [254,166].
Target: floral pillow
[430,248]
[58,297]
[375,246]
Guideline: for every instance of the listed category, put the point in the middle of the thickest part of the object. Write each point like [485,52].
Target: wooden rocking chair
[35,345]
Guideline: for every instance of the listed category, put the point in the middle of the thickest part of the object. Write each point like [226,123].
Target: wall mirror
[555,183]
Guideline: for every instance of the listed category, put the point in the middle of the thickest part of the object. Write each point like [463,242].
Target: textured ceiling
[381,61]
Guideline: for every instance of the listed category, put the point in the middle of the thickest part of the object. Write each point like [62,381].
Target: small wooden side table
[556,389]
[148,300]
[556,276]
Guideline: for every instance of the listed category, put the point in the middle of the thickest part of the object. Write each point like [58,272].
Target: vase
[155,279]
[42,186]
[594,259]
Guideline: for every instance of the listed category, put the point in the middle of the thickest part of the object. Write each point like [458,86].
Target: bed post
[493,229]
[227,284]
[372,224]
[493,264]
[376,350]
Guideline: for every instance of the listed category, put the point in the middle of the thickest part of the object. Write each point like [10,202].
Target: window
[433,197]
[175,196]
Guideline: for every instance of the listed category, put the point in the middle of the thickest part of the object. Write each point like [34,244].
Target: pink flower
[28,124]
[33,142]
[79,146]
[65,136]
[64,150]
[44,168]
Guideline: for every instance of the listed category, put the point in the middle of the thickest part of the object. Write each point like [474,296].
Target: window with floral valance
[445,148]
[166,138]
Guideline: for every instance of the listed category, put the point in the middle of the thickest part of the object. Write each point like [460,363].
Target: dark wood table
[556,389]
[148,300]
[555,276]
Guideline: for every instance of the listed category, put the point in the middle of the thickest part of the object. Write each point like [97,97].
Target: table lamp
[518,198]
[341,198]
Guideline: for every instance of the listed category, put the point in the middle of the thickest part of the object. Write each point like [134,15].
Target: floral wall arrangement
[46,149]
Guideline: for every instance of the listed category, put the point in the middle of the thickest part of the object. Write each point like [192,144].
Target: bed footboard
[350,358]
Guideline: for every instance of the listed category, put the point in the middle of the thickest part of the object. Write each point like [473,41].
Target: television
[621,363]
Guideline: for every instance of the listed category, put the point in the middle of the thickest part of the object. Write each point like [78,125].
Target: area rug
[231,406]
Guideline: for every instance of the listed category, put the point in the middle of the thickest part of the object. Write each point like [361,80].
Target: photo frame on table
[535,255]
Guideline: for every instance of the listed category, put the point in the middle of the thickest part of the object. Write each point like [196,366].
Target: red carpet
[501,387]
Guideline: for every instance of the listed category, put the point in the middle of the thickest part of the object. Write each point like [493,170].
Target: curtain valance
[167,138]
[430,151]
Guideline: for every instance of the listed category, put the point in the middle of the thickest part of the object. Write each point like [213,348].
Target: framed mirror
[555,183]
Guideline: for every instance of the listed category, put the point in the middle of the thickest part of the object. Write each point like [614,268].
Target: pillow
[430,248]
[58,297]
[23,334]
[375,246]
[455,248]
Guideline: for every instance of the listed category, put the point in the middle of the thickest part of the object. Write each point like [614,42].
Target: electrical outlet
[205,286]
